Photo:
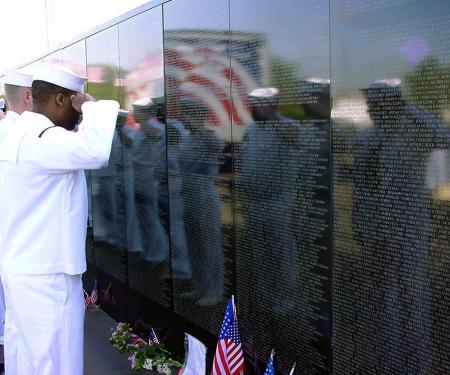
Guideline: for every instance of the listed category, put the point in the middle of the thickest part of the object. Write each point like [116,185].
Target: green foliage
[152,357]
[285,76]
[107,89]
[428,86]
[142,356]
[121,338]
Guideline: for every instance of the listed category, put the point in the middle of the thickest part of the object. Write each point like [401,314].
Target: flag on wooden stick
[229,357]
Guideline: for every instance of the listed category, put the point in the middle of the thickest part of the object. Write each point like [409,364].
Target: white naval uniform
[43,201]
[7,122]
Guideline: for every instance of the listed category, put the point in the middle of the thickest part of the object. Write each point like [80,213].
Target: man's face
[375,109]
[319,107]
[384,106]
[375,105]
[384,114]
[69,117]
[264,112]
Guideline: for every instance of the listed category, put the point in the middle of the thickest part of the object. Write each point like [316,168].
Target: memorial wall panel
[390,88]
[196,50]
[281,132]
[54,57]
[107,184]
[74,58]
[143,144]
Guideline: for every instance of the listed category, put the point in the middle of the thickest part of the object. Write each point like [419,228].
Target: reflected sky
[45,24]
[386,42]
[289,28]
[142,70]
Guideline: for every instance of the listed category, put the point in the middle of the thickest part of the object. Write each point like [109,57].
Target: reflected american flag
[229,357]
[201,69]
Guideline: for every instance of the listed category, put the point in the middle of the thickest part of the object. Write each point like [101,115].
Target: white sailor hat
[60,76]
[263,96]
[384,84]
[17,78]
[264,92]
[314,85]
[143,103]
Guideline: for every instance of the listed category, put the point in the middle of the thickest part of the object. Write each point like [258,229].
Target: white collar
[28,122]
[12,115]
[37,121]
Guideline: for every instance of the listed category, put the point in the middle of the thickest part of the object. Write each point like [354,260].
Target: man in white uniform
[43,201]
[18,93]
[2,108]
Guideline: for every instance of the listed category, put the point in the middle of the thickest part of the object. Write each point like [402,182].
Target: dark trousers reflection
[272,249]
[154,244]
[202,218]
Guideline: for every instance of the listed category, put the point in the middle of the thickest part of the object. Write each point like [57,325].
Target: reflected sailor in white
[200,152]
[106,191]
[272,141]
[392,225]
[18,93]
[2,108]
[148,153]
[43,201]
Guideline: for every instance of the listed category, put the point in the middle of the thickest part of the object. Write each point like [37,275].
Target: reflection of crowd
[165,171]
[391,223]
[199,156]
[161,165]
[268,175]
[282,188]
[284,169]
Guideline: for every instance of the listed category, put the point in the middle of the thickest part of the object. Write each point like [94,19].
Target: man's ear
[60,99]
[27,97]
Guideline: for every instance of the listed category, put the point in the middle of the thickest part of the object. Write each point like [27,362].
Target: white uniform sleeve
[59,150]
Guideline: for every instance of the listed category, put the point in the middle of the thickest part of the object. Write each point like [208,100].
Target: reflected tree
[428,86]
[285,75]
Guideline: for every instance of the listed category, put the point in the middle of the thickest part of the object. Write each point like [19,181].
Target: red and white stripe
[229,359]
[204,73]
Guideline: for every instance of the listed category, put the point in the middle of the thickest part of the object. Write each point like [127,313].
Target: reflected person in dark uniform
[181,267]
[269,175]
[391,222]
[133,233]
[199,156]
[106,193]
[313,222]
[147,158]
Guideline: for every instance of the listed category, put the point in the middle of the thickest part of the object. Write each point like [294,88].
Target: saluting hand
[79,98]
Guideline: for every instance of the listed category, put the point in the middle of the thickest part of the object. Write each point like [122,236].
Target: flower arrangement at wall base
[151,355]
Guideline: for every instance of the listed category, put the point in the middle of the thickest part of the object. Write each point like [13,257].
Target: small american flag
[105,296]
[152,338]
[269,369]
[229,357]
[87,299]
[91,299]
[94,293]
[135,339]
